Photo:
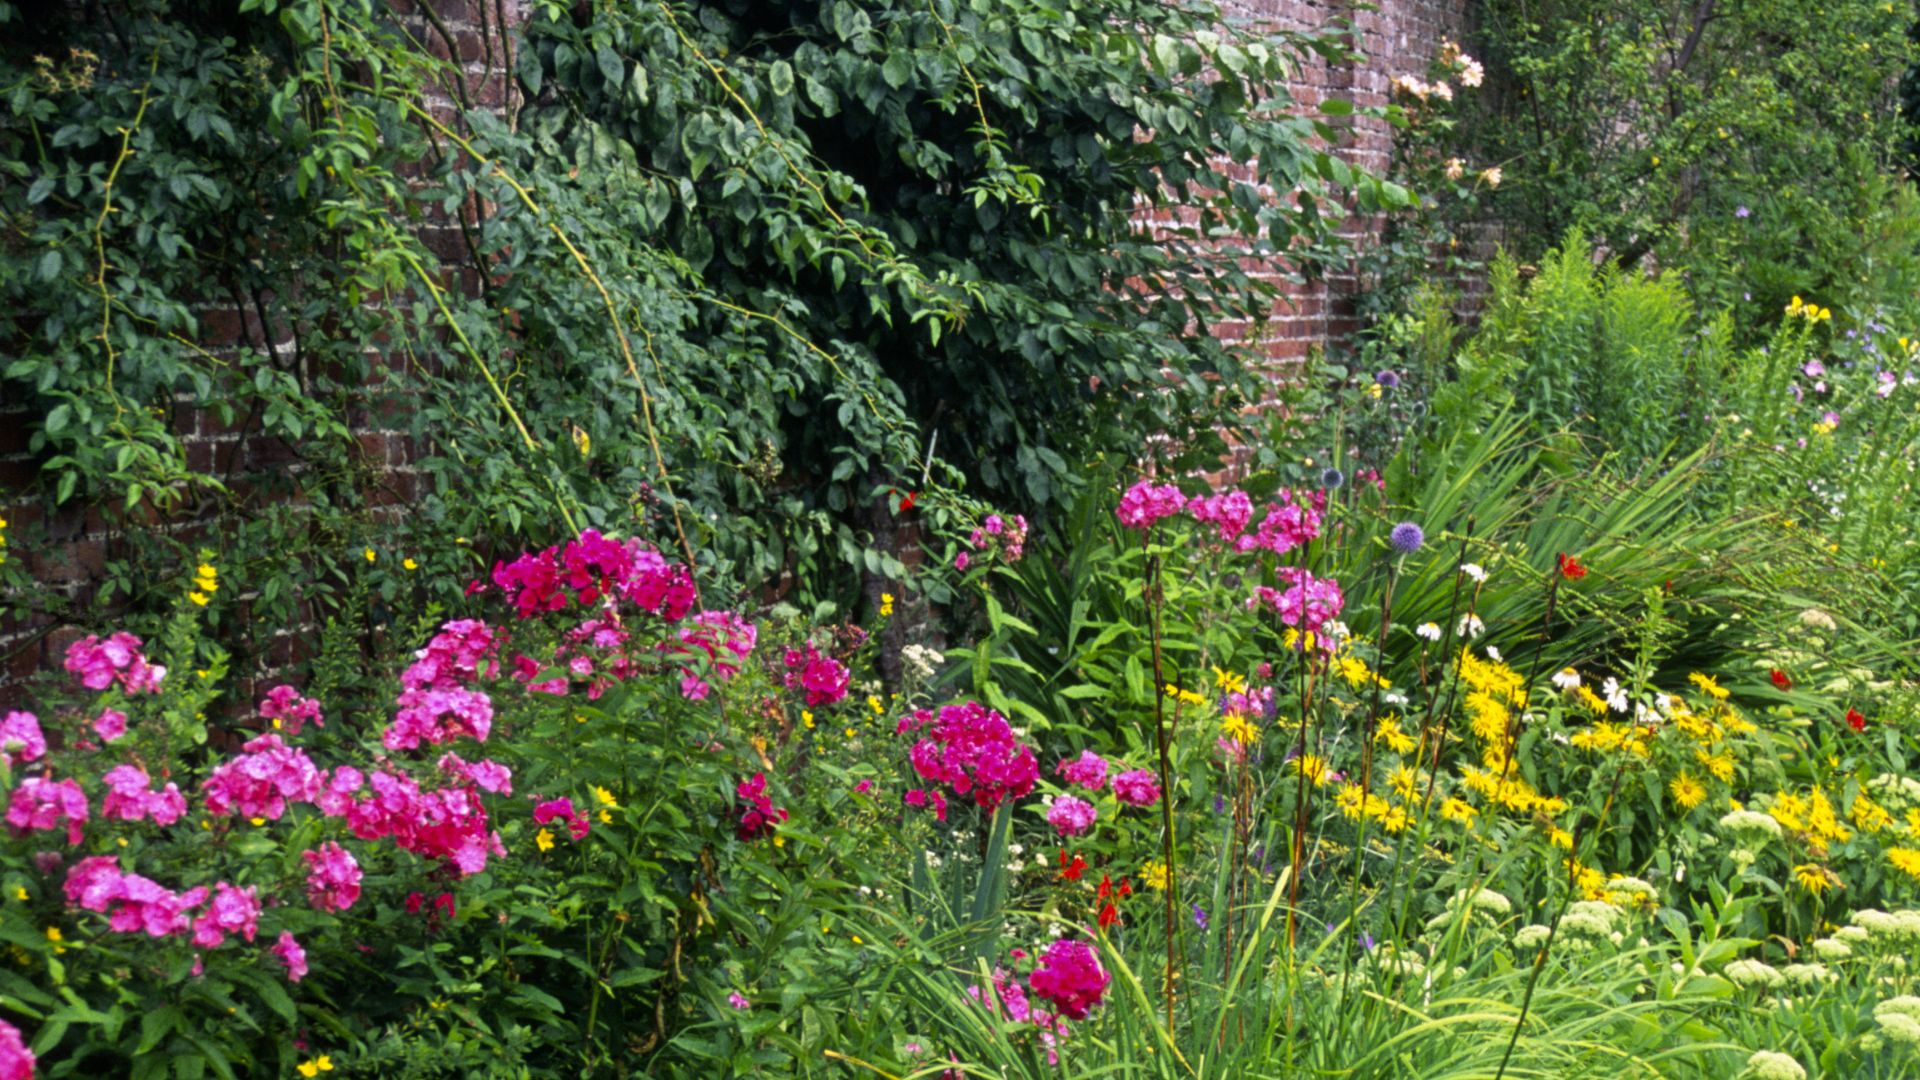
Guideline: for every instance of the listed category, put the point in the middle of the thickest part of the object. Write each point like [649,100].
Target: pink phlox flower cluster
[1071,816]
[490,776]
[971,749]
[338,789]
[562,810]
[132,904]
[462,652]
[526,669]
[449,823]
[825,679]
[593,567]
[39,804]
[284,703]
[758,816]
[1290,522]
[1089,771]
[333,877]
[920,798]
[1227,511]
[21,740]
[128,798]
[110,724]
[99,664]
[1302,600]
[1005,997]
[16,1061]
[1070,978]
[1143,504]
[438,716]
[1253,702]
[262,781]
[231,911]
[292,955]
[725,637]
[1137,788]
[999,536]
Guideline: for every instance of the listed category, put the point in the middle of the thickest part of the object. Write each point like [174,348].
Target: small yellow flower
[1229,682]
[409,564]
[198,598]
[886,604]
[806,718]
[606,817]
[1454,809]
[855,938]
[1154,875]
[256,822]
[1905,860]
[369,554]
[875,704]
[276,723]
[1687,791]
[1708,684]
[543,840]
[605,798]
[1814,878]
[1240,729]
[779,841]
[583,441]
[1314,768]
[19,892]
[1373,389]
[54,937]
[849,733]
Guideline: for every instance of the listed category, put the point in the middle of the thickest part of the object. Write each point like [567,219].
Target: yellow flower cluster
[1240,729]
[1811,816]
[1390,732]
[1607,735]
[1358,674]
[1356,803]
[1809,312]
[206,582]
[1185,697]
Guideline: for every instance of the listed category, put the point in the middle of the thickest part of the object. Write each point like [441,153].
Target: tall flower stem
[1155,601]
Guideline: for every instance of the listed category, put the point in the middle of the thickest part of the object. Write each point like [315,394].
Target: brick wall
[1399,38]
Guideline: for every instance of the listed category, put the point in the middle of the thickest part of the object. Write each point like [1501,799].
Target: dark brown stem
[1154,600]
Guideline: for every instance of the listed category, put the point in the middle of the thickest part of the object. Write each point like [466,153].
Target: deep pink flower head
[39,804]
[825,679]
[490,776]
[971,749]
[138,905]
[1071,816]
[1137,788]
[1070,978]
[110,724]
[333,877]
[99,664]
[1089,771]
[233,911]
[1144,504]
[1290,522]
[1227,511]
[292,955]
[128,799]
[449,823]
[758,816]
[436,716]
[284,703]
[463,651]
[16,1061]
[1302,600]
[562,809]
[262,781]
[20,739]
[593,569]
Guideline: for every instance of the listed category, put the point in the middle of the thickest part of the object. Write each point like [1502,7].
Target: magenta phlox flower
[128,797]
[1071,816]
[262,781]
[1143,504]
[1070,978]
[41,805]
[284,703]
[1137,788]
[21,740]
[973,751]
[1302,600]
[1088,771]
[292,955]
[333,877]
[99,664]
[1227,511]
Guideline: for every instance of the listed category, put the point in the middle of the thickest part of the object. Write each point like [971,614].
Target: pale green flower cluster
[1771,1065]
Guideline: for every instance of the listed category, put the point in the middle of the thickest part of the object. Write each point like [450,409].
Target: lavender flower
[1388,379]
[1199,916]
[1741,211]
[1406,538]
[1332,478]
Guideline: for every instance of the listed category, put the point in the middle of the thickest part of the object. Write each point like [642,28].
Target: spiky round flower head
[1406,538]
[1332,478]
[1388,378]
[1769,1065]
[1531,937]
[1753,973]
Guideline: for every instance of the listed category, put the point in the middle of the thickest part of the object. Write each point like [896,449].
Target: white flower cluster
[1753,973]
[1771,1065]
[921,661]
[1899,1019]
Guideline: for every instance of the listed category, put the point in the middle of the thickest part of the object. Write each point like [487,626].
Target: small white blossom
[1566,679]
[1493,653]
[1615,694]
[1471,626]
[1430,631]
[1474,571]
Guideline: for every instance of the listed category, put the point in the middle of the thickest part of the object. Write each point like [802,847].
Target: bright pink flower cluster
[1290,522]
[1089,771]
[758,816]
[21,740]
[333,877]
[726,638]
[1137,788]
[231,911]
[825,679]
[1071,816]
[439,716]
[971,749]
[562,810]
[39,804]
[464,651]
[1302,600]
[448,823]
[131,903]
[1228,511]
[1070,978]
[16,1061]
[1004,997]
[997,536]
[261,782]
[292,955]
[1144,504]
[593,567]
[128,798]
[110,724]
[1252,702]
[284,703]
[486,775]
[99,664]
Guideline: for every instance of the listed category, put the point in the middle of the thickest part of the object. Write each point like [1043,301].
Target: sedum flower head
[1770,1065]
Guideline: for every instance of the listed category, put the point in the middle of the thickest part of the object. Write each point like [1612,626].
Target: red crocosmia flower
[906,504]
[1570,567]
[1108,915]
[1780,679]
[1126,887]
[1106,886]
[1071,871]
[1855,720]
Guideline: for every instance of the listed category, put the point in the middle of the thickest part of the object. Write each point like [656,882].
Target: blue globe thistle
[1389,379]
[1332,478]
[1406,538]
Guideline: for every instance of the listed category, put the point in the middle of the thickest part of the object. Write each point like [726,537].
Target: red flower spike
[1856,720]
[1106,887]
[1108,916]
[1126,887]
[1780,679]
[906,504]
[1071,871]
[1570,567]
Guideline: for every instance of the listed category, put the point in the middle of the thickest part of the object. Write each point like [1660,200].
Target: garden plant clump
[833,637]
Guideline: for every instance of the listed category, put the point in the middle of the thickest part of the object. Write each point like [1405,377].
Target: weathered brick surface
[1398,38]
